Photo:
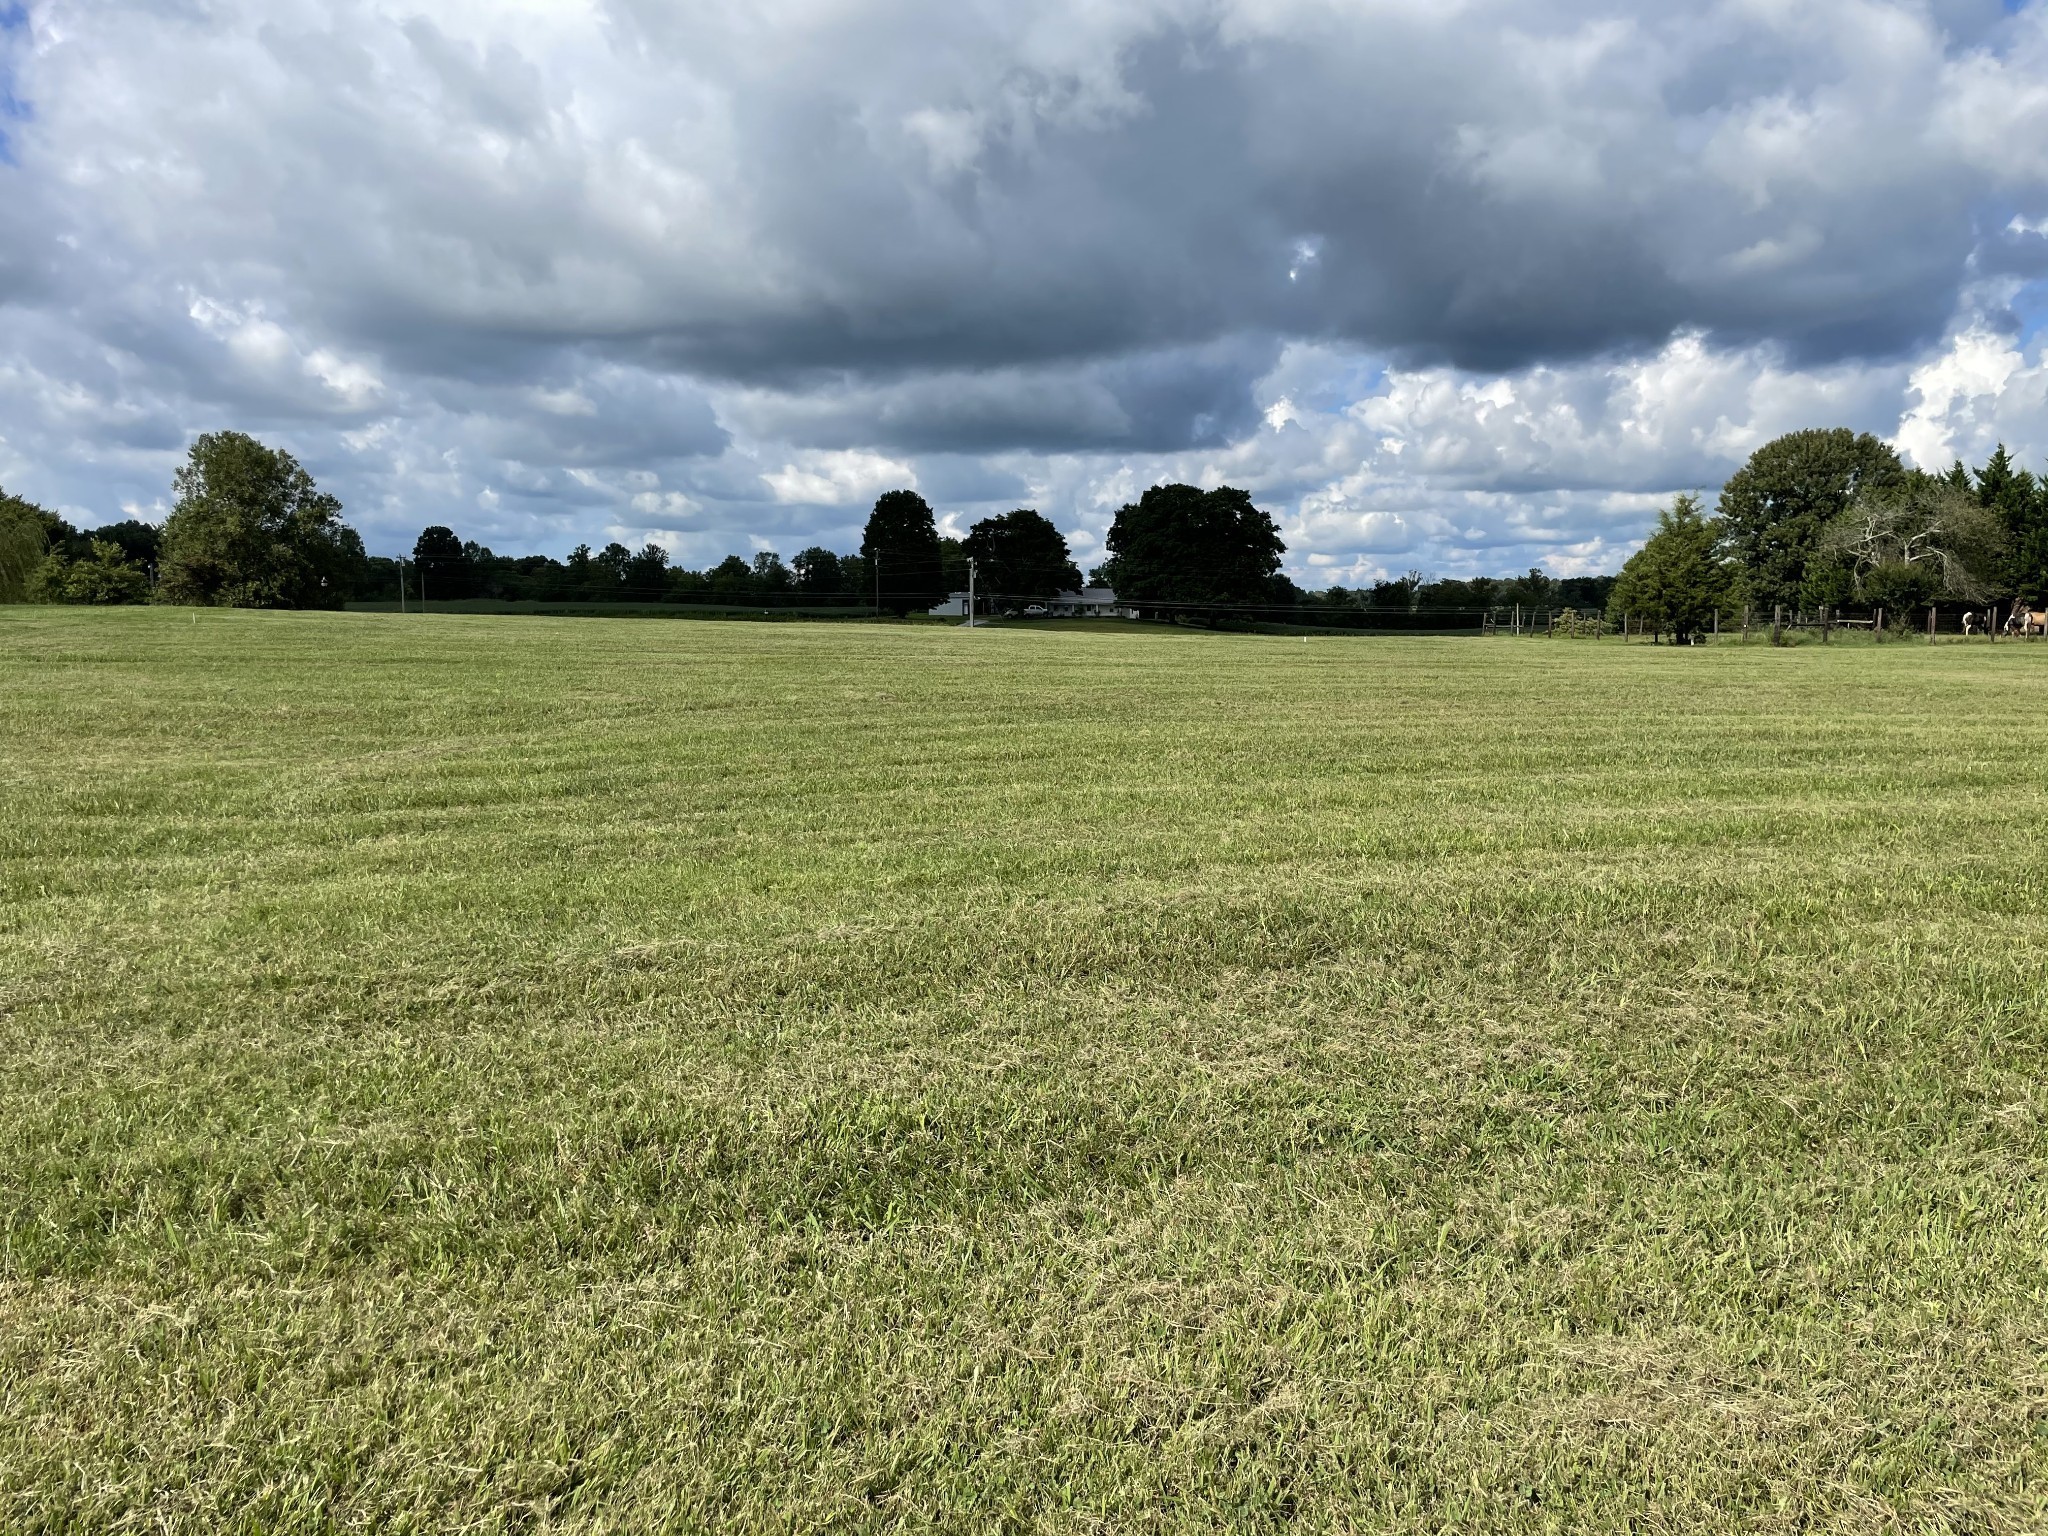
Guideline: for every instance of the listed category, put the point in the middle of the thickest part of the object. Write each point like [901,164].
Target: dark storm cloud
[1154,402]
[1485,185]
[894,189]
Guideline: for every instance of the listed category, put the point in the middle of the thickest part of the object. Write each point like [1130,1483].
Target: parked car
[1034,610]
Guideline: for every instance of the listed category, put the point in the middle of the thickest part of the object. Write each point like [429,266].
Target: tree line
[1816,518]
[1829,518]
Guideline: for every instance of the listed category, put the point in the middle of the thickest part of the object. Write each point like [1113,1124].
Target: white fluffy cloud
[1461,286]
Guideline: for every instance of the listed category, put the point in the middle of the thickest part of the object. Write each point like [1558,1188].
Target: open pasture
[505,1074]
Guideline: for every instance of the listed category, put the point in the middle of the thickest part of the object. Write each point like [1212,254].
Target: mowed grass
[587,1075]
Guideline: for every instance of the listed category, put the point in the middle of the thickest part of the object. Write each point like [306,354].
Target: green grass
[524,1074]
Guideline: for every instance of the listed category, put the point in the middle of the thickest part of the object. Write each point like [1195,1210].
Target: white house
[1088,603]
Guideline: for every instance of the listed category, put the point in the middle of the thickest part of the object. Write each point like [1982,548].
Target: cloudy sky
[1464,285]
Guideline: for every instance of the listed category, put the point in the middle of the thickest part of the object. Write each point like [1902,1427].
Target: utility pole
[878,583]
[970,592]
[423,584]
[401,583]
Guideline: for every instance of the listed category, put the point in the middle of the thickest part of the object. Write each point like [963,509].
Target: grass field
[477,1074]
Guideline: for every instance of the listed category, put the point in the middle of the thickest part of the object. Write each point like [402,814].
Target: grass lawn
[585,1075]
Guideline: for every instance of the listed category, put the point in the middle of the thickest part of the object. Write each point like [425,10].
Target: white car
[1034,610]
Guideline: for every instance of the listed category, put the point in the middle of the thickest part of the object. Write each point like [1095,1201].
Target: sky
[1462,286]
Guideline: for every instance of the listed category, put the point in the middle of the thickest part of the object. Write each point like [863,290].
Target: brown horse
[2027,621]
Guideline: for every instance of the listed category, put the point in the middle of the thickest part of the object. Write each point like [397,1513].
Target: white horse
[1969,622]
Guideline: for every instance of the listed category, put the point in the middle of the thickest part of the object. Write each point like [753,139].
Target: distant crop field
[592,1075]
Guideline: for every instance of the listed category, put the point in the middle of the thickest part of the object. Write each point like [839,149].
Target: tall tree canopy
[1178,546]
[24,537]
[817,571]
[1021,554]
[443,563]
[902,537]
[1773,509]
[1677,580]
[251,530]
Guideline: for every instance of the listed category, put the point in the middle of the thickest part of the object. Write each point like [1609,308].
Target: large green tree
[1774,509]
[251,530]
[1677,581]
[24,539]
[1022,555]
[817,571]
[443,564]
[1178,548]
[901,547]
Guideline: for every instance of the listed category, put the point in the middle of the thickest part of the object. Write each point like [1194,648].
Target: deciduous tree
[1922,539]
[645,576]
[1774,509]
[770,574]
[1021,554]
[24,539]
[251,530]
[443,564]
[817,571]
[901,535]
[103,575]
[1178,547]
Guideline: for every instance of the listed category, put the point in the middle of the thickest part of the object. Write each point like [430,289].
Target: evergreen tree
[1678,579]
[2020,501]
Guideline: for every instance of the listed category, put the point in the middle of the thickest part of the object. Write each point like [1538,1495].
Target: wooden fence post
[1777,623]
